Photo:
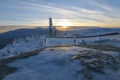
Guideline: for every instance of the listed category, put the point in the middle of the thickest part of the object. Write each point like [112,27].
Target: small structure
[74,38]
[52,29]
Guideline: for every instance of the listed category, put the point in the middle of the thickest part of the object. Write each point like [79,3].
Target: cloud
[77,12]
[34,12]
[108,9]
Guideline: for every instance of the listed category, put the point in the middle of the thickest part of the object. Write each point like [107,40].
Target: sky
[104,13]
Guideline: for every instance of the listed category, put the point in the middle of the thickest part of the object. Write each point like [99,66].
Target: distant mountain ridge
[93,31]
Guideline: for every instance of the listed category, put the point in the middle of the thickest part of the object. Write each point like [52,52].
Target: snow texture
[56,64]
[36,42]
[22,45]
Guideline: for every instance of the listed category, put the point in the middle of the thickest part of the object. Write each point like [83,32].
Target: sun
[64,23]
[64,26]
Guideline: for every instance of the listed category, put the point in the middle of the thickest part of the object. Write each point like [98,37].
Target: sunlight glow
[64,23]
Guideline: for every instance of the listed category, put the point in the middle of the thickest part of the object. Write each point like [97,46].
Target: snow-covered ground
[90,32]
[22,45]
[59,63]
[111,40]
[35,42]
[32,43]
[64,63]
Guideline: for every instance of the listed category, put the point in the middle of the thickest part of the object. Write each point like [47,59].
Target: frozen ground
[113,40]
[28,44]
[20,46]
[63,63]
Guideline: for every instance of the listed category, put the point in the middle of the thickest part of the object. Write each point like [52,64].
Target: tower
[50,27]
[52,30]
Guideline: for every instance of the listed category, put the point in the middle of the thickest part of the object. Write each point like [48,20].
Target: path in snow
[50,64]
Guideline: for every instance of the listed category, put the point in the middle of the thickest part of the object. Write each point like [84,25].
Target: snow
[111,40]
[55,64]
[22,45]
[90,31]
[32,43]
[36,42]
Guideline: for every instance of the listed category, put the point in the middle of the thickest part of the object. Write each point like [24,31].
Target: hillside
[34,42]
[91,32]
[10,36]
[43,58]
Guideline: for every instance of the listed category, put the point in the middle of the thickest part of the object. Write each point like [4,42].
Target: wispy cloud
[34,12]
[109,10]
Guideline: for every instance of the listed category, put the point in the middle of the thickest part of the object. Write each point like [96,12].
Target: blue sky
[105,13]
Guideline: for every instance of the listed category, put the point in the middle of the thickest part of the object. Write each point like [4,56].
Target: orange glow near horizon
[64,25]
[64,28]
